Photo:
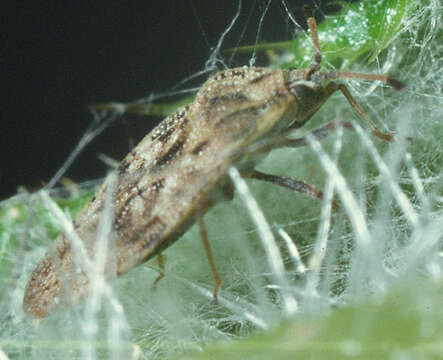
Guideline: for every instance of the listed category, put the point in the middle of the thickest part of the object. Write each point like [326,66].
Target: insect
[169,180]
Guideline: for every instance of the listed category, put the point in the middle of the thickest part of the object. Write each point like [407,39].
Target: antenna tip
[397,85]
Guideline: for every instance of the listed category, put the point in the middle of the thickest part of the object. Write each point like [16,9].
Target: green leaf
[409,323]
[360,30]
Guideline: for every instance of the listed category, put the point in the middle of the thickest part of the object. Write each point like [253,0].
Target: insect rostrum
[166,182]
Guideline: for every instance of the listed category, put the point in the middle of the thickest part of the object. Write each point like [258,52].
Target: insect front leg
[356,106]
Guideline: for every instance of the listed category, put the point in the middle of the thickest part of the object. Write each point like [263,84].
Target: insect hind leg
[161,265]
[292,184]
[207,246]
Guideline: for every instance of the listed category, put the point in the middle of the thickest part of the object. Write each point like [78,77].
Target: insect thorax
[310,94]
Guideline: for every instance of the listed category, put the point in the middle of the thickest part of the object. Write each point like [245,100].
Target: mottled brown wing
[162,182]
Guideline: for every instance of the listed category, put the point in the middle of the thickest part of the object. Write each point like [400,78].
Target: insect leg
[204,236]
[356,106]
[291,184]
[320,133]
[161,265]
[333,87]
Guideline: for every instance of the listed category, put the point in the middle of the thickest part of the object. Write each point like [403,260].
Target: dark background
[58,57]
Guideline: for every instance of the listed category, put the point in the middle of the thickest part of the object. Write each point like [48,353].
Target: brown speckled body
[167,177]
